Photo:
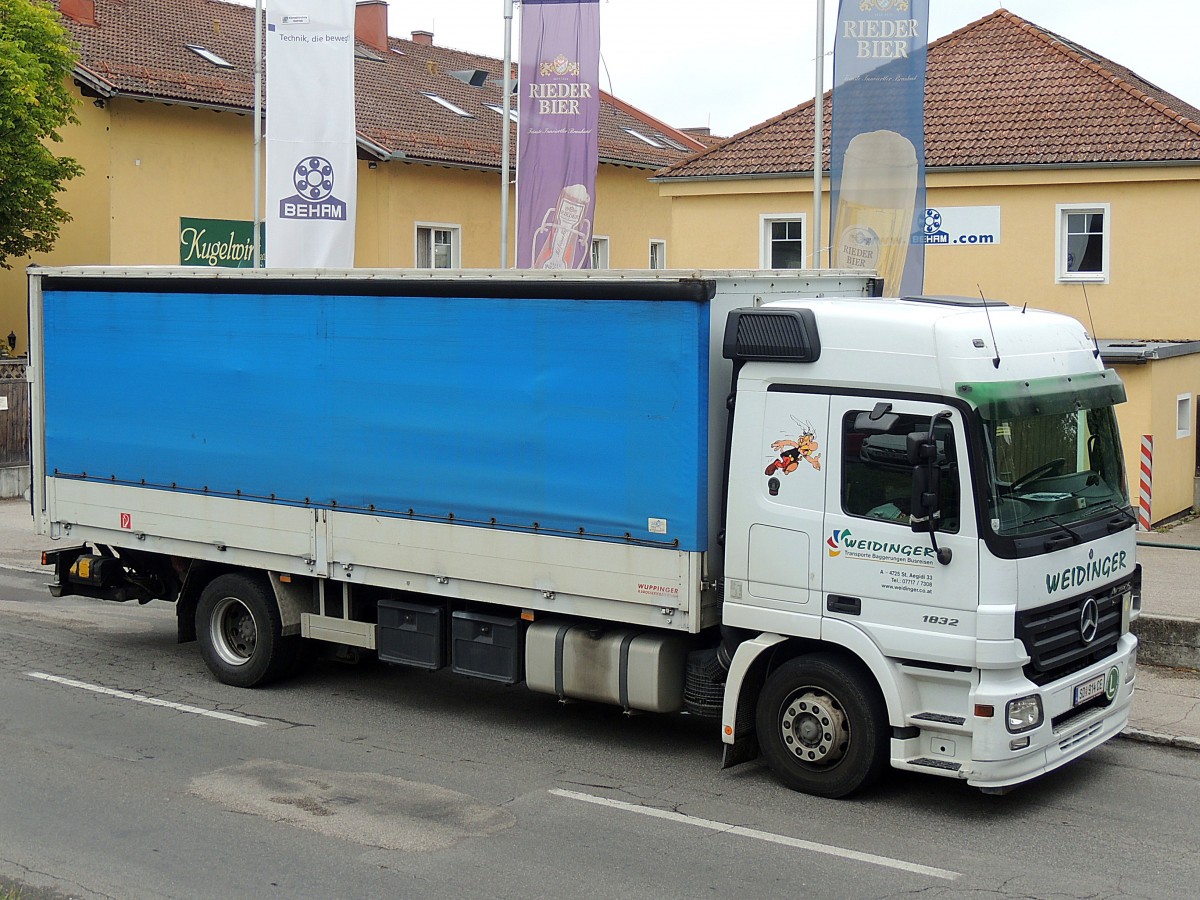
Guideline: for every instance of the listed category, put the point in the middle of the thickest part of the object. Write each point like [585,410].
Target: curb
[1168,641]
[1159,738]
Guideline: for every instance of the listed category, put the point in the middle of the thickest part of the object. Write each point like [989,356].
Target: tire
[240,632]
[822,726]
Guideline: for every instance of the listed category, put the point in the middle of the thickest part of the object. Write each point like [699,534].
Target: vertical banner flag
[557,150]
[312,177]
[877,144]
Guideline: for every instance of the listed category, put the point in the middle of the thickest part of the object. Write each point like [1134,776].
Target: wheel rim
[814,728]
[233,631]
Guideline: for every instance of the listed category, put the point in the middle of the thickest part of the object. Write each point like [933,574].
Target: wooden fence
[14,421]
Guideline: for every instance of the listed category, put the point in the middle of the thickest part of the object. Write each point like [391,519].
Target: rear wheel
[822,726]
[240,632]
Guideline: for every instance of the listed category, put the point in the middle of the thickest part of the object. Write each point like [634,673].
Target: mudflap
[742,750]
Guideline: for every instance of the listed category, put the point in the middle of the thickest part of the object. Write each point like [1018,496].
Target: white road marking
[763,836]
[138,698]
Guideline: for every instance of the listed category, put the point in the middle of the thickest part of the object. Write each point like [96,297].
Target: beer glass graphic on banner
[875,205]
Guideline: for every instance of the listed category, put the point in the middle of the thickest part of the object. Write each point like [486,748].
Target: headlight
[1023,714]
[1131,666]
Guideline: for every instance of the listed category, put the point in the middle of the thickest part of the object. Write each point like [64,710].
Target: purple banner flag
[877,146]
[557,150]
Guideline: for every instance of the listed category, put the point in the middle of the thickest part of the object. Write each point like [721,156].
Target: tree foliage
[36,101]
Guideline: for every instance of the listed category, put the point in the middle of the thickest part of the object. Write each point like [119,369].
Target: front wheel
[822,726]
[240,632]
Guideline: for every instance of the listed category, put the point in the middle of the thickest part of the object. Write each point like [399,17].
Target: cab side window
[877,477]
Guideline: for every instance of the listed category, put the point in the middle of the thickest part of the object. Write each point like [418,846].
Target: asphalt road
[127,771]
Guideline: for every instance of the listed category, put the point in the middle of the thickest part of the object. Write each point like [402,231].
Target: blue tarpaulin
[564,415]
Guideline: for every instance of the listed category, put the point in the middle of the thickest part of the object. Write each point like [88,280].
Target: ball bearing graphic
[933,221]
[313,178]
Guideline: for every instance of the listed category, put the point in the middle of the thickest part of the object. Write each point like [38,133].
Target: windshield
[1053,469]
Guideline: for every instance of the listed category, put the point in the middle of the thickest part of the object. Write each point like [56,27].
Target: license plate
[1089,690]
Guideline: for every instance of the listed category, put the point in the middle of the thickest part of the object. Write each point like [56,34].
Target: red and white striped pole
[1146,482]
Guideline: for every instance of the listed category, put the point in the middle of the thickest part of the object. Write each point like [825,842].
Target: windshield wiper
[1114,524]
[1051,543]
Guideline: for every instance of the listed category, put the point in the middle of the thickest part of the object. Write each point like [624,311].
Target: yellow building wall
[1154,224]
[1151,408]
[395,197]
[172,161]
[718,224]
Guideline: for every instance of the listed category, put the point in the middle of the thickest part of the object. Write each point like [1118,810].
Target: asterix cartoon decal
[804,447]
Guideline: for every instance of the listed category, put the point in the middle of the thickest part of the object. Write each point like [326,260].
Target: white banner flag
[312,178]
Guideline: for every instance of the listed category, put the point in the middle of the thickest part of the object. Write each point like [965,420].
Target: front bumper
[1064,735]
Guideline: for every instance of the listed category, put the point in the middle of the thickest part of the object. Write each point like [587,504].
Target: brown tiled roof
[138,48]
[998,92]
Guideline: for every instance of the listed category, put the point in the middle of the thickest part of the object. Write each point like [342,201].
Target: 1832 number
[939,620]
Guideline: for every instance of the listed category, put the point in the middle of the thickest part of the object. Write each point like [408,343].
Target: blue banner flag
[877,145]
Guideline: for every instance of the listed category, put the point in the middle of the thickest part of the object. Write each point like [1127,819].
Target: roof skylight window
[207,54]
[442,101]
[512,111]
[643,138]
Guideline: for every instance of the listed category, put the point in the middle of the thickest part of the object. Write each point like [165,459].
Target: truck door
[879,574]
[777,488]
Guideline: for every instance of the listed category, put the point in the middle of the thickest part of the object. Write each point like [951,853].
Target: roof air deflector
[772,335]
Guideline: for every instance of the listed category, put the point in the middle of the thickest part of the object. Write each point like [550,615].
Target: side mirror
[921,449]
[926,500]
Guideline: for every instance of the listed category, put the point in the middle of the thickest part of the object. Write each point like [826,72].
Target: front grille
[1053,638]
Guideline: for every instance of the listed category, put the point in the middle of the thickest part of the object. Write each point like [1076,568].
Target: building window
[513,113]
[438,246]
[646,139]
[1183,416]
[782,242]
[599,253]
[1082,243]
[442,101]
[205,53]
[658,254]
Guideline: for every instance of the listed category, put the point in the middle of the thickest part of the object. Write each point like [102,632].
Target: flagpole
[505,150]
[258,73]
[818,133]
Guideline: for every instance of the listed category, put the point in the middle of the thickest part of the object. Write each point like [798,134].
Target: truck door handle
[839,604]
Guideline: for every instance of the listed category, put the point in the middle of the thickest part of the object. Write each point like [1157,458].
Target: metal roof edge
[1134,352]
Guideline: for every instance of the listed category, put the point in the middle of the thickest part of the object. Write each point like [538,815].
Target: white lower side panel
[649,586]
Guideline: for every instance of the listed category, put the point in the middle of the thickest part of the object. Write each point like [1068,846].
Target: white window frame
[657,242]
[600,251]
[431,227]
[1183,416]
[765,221]
[1061,275]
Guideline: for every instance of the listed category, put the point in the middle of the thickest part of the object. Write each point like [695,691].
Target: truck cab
[929,540]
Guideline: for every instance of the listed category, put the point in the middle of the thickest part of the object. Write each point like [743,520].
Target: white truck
[853,531]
